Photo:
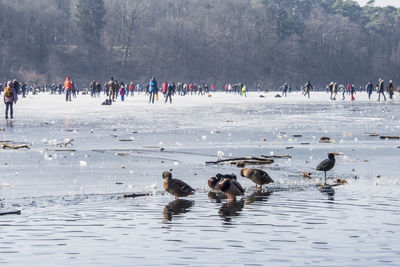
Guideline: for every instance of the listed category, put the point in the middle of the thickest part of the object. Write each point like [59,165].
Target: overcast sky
[395,3]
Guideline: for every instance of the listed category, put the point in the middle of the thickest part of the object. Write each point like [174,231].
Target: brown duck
[213,181]
[259,177]
[231,188]
[176,187]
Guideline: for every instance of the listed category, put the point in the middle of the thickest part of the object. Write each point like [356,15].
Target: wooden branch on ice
[15,212]
[390,137]
[66,143]
[277,156]
[135,195]
[244,160]
[61,150]
[5,145]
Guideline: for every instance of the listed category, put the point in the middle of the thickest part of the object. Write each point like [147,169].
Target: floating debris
[297,135]
[82,163]
[14,212]
[5,145]
[389,137]
[122,154]
[340,181]
[135,195]
[306,175]
[325,139]
[372,134]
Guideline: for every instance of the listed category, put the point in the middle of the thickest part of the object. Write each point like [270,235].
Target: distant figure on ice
[381,90]
[122,92]
[132,89]
[370,88]
[352,92]
[307,88]
[68,89]
[169,92]
[110,89]
[285,89]
[244,91]
[10,98]
[390,89]
[153,89]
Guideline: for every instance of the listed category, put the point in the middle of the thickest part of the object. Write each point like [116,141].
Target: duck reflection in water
[257,196]
[217,196]
[231,209]
[177,207]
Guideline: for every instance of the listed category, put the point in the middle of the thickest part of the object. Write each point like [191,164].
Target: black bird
[327,164]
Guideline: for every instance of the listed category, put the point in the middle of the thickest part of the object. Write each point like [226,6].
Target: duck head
[212,182]
[167,175]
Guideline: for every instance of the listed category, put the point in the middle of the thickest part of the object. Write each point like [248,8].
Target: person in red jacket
[191,88]
[68,88]
[164,88]
[132,89]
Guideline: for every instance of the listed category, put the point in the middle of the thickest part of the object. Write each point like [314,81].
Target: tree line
[214,41]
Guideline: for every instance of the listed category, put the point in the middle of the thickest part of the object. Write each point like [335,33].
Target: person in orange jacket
[68,89]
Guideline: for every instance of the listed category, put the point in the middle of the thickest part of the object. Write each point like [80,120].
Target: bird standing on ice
[176,187]
[327,164]
[259,177]
[231,188]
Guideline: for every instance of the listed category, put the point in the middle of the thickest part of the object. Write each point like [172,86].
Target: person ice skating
[343,90]
[110,89]
[68,89]
[164,89]
[153,89]
[352,92]
[10,97]
[330,89]
[169,92]
[307,88]
[244,91]
[122,92]
[132,89]
[285,89]
[381,90]
[390,89]
[334,90]
[370,88]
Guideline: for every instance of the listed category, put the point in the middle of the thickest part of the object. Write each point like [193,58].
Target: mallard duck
[327,164]
[259,177]
[213,181]
[176,187]
[231,188]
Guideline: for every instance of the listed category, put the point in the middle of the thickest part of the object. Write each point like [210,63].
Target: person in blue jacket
[153,89]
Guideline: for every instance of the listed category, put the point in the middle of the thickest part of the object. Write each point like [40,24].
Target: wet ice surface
[73,210]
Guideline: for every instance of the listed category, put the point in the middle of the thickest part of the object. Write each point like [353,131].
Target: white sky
[395,3]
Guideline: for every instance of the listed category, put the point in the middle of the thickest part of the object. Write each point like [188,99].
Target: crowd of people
[114,90]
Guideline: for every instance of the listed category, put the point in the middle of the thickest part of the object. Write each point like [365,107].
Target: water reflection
[230,209]
[327,190]
[257,196]
[177,207]
[217,196]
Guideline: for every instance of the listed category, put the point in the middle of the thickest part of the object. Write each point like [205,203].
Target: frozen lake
[72,206]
